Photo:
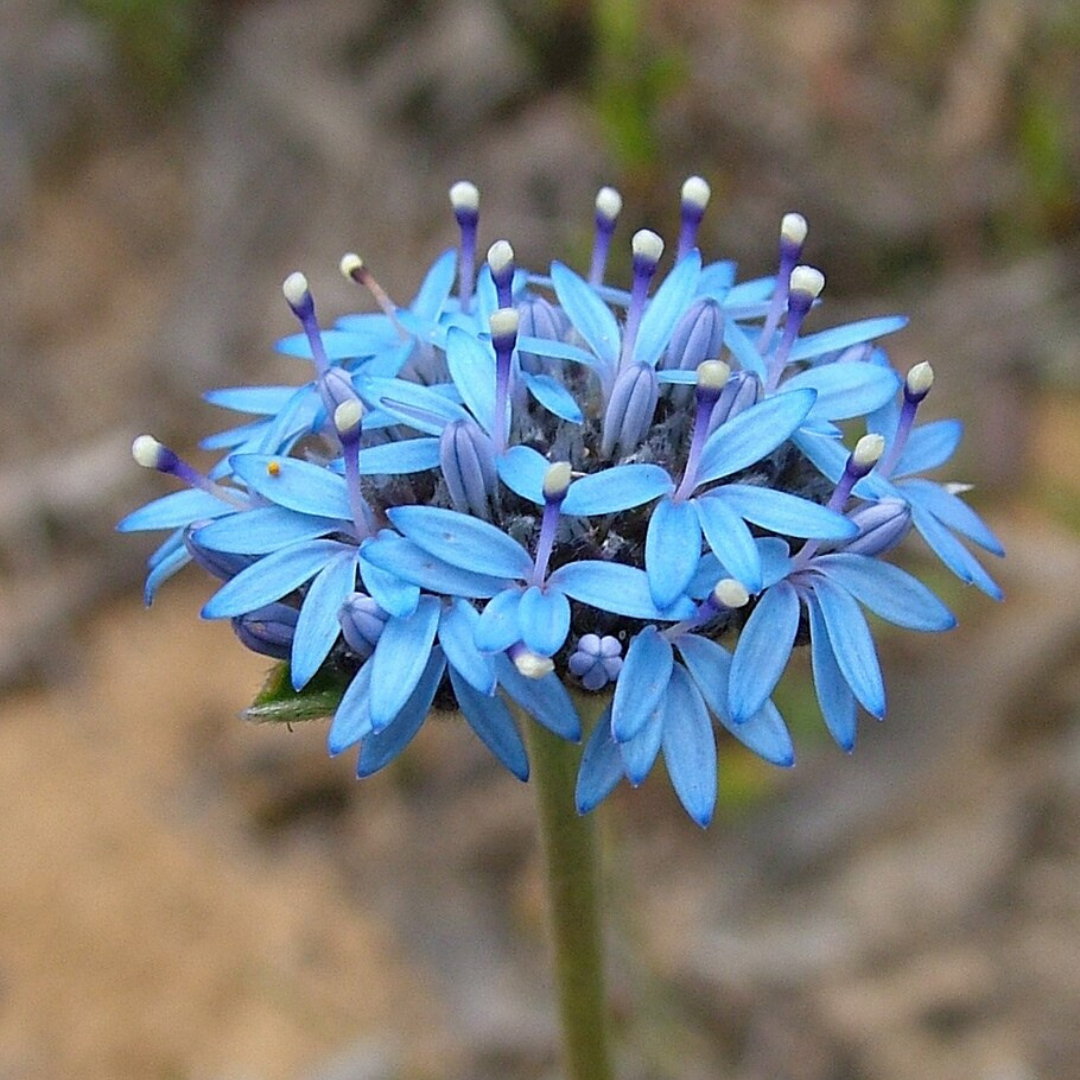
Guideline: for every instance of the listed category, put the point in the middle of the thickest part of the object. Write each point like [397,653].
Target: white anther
[608,203]
[647,245]
[867,450]
[295,288]
[464,195]
[713,374]
[351,264]
[533,666]
[504,322]
[557,480]
[146,451]
[731,593]
[500,255]
[807,279]
[793,228]
[696,192]
[347,416]
[919,379]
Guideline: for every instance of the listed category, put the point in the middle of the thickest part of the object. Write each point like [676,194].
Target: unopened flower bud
[741,391]
[698,335]
[362,622]
[467,461]
[596,660]
[630,410]
[882,525]
[268,630]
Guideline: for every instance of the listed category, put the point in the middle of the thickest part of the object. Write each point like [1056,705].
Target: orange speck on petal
[274,468]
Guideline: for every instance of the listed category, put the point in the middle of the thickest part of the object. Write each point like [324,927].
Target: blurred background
[185,897]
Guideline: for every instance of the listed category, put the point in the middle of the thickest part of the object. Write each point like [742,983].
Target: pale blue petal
[716,279]
[296,485]
[498,627]
[763,650]
[271,578]
[743,349]
[544,618]
[726,533]
[232,438]
[396,458]
[457,629]
[256,400]
[843,337]
[164,569]
[399,660]
[420,407]
[176,510]
[672,550]
[317,627]
[380,748]
[852,645]
[491,720]
[557,350]
[953,554]
[554,397]
[339,345]
[592,318]
[928,446]
[394,595]
[545,700]
[690,747]
[265,529]
[782,513]
[472,367]
[522,469]
[952,512]
[829,456]
[352,721]
[408,561]
[462,541]
[642,682]
[845,390]
[750,292]
[601,766]
[887,591]
[617,588]
[753,434]
[835,698]
[435,288]
[666,307]
[639,753]
[620,487]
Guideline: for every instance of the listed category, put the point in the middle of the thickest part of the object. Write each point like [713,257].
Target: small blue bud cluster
[522,487]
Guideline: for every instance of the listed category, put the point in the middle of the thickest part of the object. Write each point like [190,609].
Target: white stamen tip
[713,374]
[867,450]
[920,378]
[351,264]
[955,487]
[465,195]
[500,255]
[347,416]
[608,203]
[731,593]
[807,279]
[295,288]
[146,451]
[504,322]
[647,245]
[533,666]
[696,192]
[793,228]
[557,480]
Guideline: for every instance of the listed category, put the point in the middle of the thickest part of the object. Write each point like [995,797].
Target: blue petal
[716,279]
[174,511]
[296,485]
[164,569]
[317,628]
[399,660]
[727,535]
[611,490]
[352,721]
[592,318]
[666,307]
[498,627]
[391,593]
[271,578]
[751,292]
[554,397]
[457,627]
[784,513]
[617,588]
[544,618]
[410,562]
[953,554]
[833,693]
[491,720]
[403,456]
[743,349]
[763,650]
[639,753]
[672,550]
[339,345]
[843,337]
[546,699]
[690,748]
[234,437]
[472,367]
[828,455]
[265,529]
[928,446]
[887,591]
[852,645]
[753,434]
[764,733]
[557,350]
[379,749]
[522,469]
[435,288]
[642,682]
[845,390]
[952,512]
[462,541]
[601,766]
[256,400]
[420,407]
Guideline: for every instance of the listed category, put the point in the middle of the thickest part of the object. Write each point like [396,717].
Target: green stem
[570,852]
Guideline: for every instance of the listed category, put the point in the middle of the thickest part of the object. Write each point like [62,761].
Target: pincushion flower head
[524,494]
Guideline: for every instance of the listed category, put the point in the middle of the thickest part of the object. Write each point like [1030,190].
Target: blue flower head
[522,494]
